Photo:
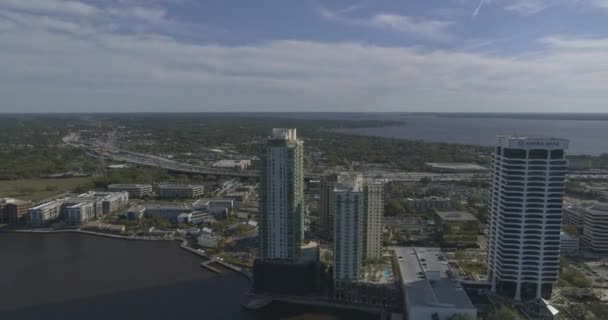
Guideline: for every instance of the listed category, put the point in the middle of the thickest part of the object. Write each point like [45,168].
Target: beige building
[181,191]
[372,219]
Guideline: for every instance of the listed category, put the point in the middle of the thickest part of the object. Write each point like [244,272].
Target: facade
[573,215]
[44,213]
[349,211]
[372,220]
[429,288]
[595,228]
[15,211]
[569,244]
[181,191]
[167,212]
[429,204]
[326,218]
[109,202]
[281,207]
[135,213]
[525,209]
[134,190]
[79,213]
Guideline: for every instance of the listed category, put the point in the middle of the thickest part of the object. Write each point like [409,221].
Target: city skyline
[441,56]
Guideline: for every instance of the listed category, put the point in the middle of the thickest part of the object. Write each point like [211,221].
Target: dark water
[588,133]
[70,276]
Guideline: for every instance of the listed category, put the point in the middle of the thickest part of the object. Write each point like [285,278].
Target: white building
[79,213]
[429,287]
[134,190]
[595,228]
[525,209]
[569,244]
[44,213]
[281,207]
[349,211]
[215,206]
[181,191]
[110,202]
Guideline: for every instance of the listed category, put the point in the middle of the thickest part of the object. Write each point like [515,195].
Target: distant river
[588,133]
[71,276]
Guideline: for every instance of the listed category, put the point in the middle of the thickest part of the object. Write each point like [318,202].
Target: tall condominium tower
[281,196]
[372,220]
[525,206]
[348,208]
[357,208]
[326,215]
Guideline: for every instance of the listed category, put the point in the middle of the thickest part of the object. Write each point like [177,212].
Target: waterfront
[73,276]
[586,132]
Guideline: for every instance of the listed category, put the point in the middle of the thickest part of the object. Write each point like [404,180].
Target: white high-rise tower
[525,207]
[281,196]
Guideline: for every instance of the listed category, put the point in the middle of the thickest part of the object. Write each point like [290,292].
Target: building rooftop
[284,134]
[350,182]
[456,216]
[428,280]
[48,204]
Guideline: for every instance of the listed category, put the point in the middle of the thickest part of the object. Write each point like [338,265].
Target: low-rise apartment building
[45,213]
[181,191]
[134,190]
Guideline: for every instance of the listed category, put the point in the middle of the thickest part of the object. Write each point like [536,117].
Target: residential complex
[79,213]
[134,190]
[595,234]
[281,196]
[525,210]
[45,213]
[181,191]
[430,290]
[13,211]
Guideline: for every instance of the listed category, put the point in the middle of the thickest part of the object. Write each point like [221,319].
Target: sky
[304,55]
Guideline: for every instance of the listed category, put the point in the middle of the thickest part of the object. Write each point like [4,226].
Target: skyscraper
[372,220]
[281,196]
[525,207]
[348,208]
[357,207]
[326,216]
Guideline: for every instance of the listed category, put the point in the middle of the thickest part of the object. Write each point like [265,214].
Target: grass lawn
[38,189]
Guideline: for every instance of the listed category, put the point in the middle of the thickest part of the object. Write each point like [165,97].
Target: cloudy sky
[304,55]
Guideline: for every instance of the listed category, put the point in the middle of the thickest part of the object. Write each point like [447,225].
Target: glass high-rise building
[525,208]
[281,210]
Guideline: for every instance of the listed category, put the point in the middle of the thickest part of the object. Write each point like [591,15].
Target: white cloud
[412,26]
[50,6]
[85,65]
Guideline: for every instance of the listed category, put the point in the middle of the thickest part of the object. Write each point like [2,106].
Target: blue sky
[306,55]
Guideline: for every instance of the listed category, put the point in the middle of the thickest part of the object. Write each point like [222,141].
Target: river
[73,276]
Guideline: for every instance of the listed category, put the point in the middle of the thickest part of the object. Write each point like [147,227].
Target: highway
[107,151]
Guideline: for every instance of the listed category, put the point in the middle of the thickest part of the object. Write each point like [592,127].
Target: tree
[393,207]
[504,313]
